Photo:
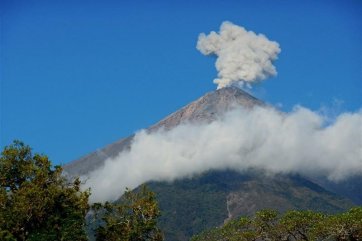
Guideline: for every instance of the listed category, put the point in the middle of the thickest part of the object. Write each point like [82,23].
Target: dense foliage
[36,201]
[134,218]
[292,225]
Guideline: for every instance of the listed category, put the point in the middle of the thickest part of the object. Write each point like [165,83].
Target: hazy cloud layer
[242,56]
[298,142]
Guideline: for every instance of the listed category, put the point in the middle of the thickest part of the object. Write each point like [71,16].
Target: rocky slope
[205,109]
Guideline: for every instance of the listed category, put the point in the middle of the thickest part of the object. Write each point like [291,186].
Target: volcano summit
[204,110]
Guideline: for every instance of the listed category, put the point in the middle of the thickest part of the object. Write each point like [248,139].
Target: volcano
[205,109]
[206,200]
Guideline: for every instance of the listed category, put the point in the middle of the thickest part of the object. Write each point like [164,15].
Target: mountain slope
[190,205]
[205,109]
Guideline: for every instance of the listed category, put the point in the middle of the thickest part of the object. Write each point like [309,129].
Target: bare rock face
[205,109]
[209,106]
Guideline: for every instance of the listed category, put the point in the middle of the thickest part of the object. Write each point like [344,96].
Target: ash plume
[243,57]
[263,138]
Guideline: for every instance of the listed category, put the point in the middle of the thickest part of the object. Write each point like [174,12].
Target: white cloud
[297,142]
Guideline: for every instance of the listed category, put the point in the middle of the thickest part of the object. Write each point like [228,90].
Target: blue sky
[78,75]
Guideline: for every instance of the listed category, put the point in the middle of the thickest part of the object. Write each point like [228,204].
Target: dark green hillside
[191,205]
[350,188]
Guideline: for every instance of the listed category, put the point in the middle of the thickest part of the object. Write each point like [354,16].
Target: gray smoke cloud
[243,57]
[296,142]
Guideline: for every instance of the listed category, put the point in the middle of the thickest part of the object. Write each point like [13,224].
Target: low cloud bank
[243,57]
[297,142]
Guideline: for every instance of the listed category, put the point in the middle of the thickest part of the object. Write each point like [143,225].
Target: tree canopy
[36,201]
[293,225]
[133,218]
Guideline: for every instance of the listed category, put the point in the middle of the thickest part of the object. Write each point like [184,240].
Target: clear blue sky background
[77,75]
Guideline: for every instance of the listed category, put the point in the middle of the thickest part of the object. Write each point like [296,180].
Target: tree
[36,201]
[300,225]
[291,226]
[265,224]
[343,226]
[133,218]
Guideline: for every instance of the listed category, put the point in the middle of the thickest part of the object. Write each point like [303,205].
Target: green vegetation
[190,205]
[36,201]
[292,225]
[134,218]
